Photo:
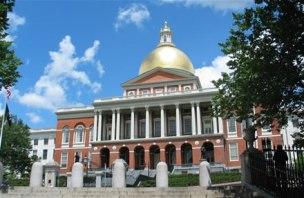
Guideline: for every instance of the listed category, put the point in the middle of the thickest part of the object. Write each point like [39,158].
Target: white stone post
[177,120]
[98,179]
[132,124]
[162,121]
[199,119]
[162,175]
[36,175]
[119,173]
[69,179]
[99,125]
[95,126]
[77,175]
[204,174]
[193,120]
[147,122]
[113,125]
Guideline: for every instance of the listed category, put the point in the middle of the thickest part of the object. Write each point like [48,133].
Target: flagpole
[3,117]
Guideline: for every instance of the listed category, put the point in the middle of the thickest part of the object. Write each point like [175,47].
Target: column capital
[118,110]
[193,103]
[176,105]
[113,110]
[99,111]
[132,108]
[147,107]
[197,103]
[162,106]
[95,111]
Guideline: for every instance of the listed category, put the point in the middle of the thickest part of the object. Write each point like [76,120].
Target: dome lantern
[165,35]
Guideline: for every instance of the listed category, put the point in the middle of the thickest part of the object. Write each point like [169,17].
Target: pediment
[160,75]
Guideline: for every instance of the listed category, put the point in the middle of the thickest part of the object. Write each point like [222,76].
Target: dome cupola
[166,55]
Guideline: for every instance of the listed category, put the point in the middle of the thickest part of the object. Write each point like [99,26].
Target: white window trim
[233,133]
[75,135]
[237,150]
[204,118]
[265,131]
[67,159]
[172,118]
[91,130]
[184,124]
[139,128]
[62,138]
[154,123]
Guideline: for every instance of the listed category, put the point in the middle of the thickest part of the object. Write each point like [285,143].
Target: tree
[15,148]
[8,60]
[266,47]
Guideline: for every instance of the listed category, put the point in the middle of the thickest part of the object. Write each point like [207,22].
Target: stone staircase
[180,192]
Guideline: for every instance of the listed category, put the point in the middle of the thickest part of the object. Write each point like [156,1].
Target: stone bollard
[204,174]
[69,179]
[36,175]
[98,179]
[77,175]
[162,175]
[50,174]
[119,175]
[1,173]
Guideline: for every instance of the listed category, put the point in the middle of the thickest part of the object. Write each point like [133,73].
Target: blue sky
[76,51]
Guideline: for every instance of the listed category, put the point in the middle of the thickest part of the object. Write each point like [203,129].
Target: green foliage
[266,47]
[193,180]
[15,148]
[299,163]
[8,60]
[13,180]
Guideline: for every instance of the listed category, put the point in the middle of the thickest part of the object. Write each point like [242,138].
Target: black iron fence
[278,171]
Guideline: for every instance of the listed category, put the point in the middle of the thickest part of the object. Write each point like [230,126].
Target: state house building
[163,115]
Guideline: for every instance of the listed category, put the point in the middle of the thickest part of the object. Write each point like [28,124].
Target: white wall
[41,134]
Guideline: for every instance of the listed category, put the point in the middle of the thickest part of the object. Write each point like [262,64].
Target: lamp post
[85,162]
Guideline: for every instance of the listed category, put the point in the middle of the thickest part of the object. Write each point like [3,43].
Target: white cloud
[100,69]
[50,90]
[134,14]
[215,4]
[15,21]
[35,118]
[212,72]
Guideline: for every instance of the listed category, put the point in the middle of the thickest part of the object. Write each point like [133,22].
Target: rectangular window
[142,129]
[157,128]
[266,146]
[266,129]
[34,152]
[233,152]
[207,126]
[35,141]
[64,159]
[231,127]
[45,151]
[126,134]
[108,131]
[187,125]
[295,122]
[45,141]
[171,127]
[65,138]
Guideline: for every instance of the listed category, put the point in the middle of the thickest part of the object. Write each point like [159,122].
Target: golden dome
[166,56]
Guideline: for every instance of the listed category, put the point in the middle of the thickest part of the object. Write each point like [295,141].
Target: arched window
[65,135]
[79,134]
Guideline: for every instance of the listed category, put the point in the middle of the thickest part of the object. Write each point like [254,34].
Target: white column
[147,122]
[162,121]
[118,125]
[113,125]
[220,124]
[136,124]
[199,119]
[214,124]
[95,126]
[177,120]
[132,123]
[99,125]
[193,119]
